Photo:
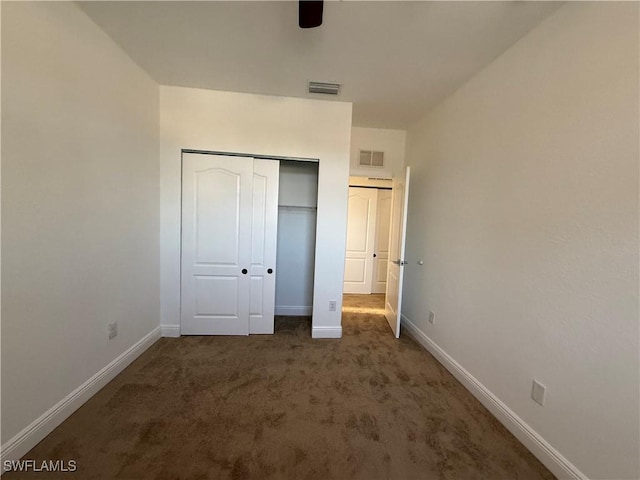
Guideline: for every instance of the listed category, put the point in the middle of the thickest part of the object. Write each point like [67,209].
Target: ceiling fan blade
[310,13]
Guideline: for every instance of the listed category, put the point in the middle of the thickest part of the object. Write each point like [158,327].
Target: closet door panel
[217,187]
[263,245]
[216,296]
[216,244]
[256,295]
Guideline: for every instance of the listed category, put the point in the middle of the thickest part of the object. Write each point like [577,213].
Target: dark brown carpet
[367,406]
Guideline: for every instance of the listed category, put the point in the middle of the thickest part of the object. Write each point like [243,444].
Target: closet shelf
[297,207]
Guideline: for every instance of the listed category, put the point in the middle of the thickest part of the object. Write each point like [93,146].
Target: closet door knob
[270,270]
[374,255]
[244,271]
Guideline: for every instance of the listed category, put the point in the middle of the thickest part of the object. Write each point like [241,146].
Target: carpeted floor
[285,406]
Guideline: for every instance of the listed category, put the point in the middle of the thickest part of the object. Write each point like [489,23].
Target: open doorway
[367,251]
[375,251]
[296,247]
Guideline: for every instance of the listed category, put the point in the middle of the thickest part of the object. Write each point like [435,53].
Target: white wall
[297,201]
[257,124]
[80,216]
[524,207]
[391,142]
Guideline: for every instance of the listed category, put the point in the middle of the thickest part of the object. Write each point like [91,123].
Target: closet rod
[297,207]
[371,186]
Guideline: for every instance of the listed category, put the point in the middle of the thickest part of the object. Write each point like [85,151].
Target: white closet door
[382,242]
[216,244]
[361,225]
[264,233]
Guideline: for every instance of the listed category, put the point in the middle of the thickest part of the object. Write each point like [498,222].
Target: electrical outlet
[113,330]
[537,392]
[432,318]
[332,305]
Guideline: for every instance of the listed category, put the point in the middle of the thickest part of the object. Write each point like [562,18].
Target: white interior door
[381,253]
[397,237]
[361,225]
[229,215]
[264,233]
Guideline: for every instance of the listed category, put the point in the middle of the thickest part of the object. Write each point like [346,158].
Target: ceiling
[395,59]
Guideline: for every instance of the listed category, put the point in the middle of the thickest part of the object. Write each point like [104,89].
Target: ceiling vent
[325,88]
[370,158]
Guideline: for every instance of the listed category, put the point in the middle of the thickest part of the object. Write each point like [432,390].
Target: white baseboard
[326,332]
[549,456]
[170,331]
[294,311]
[30,436]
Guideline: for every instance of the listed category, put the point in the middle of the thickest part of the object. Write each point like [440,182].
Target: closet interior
[296,246]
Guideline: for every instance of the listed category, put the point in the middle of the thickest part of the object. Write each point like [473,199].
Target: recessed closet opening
[295,259]
[248,242]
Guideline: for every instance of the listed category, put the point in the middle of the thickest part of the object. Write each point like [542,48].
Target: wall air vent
[324,88]
[370,158]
